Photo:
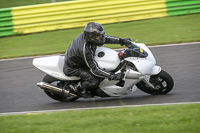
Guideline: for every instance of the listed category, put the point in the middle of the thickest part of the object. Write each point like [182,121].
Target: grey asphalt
[18,90]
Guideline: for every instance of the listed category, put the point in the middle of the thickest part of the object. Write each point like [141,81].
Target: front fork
[146,80]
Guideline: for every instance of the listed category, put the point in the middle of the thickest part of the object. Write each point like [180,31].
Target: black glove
[118,76]
[125,41]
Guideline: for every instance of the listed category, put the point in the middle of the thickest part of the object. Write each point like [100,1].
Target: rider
[79,58]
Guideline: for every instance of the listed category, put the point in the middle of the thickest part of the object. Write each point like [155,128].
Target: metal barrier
[72,14]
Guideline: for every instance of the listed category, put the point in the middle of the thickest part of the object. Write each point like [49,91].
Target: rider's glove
[118,76]
[125,41]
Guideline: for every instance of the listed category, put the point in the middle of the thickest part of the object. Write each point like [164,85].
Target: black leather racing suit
[79,61]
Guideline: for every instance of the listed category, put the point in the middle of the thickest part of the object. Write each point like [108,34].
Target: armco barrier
[181,7]
[71,14]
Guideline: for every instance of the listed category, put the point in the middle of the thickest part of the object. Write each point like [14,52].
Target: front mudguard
[155,70]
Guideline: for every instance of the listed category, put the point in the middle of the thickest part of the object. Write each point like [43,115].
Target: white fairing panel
[144,65]
[110,87]
[107,58]
[53,65]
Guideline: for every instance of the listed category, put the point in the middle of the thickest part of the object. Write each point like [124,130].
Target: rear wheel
[56,82]
[163,83]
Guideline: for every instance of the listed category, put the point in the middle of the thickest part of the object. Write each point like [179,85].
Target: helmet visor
[98,37]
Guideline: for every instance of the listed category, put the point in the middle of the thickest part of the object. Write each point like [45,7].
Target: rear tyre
[54,81]
[163,83]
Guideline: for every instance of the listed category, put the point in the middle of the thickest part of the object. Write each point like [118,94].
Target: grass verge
[151,119]
[165,30]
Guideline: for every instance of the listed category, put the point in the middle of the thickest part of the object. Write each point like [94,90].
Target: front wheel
[56,82]
[163,83]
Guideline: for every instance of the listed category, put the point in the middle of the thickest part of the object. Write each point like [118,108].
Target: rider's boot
[81,91]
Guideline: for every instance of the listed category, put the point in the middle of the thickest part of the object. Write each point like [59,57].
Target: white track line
[109,107]
[168,45]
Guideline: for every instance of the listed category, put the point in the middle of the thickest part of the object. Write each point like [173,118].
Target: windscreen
[135,51]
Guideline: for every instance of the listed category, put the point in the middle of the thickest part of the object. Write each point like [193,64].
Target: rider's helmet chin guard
[94,33]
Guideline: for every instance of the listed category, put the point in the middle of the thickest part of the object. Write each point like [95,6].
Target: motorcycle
[136,62]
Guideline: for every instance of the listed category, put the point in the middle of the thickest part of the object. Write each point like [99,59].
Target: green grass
[149,119]
[15,3]
[165,30]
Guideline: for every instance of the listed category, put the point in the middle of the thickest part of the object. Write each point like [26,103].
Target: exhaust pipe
[55,89]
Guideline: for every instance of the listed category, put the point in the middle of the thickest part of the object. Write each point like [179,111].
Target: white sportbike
[137,62]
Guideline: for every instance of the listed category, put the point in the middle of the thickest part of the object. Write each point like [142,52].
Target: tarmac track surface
[19,93]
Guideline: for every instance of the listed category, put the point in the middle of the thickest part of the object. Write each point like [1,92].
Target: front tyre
[163,83]
[54,81]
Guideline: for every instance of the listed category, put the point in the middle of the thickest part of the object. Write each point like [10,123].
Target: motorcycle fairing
[143,65]
[110,87]
[53,66]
